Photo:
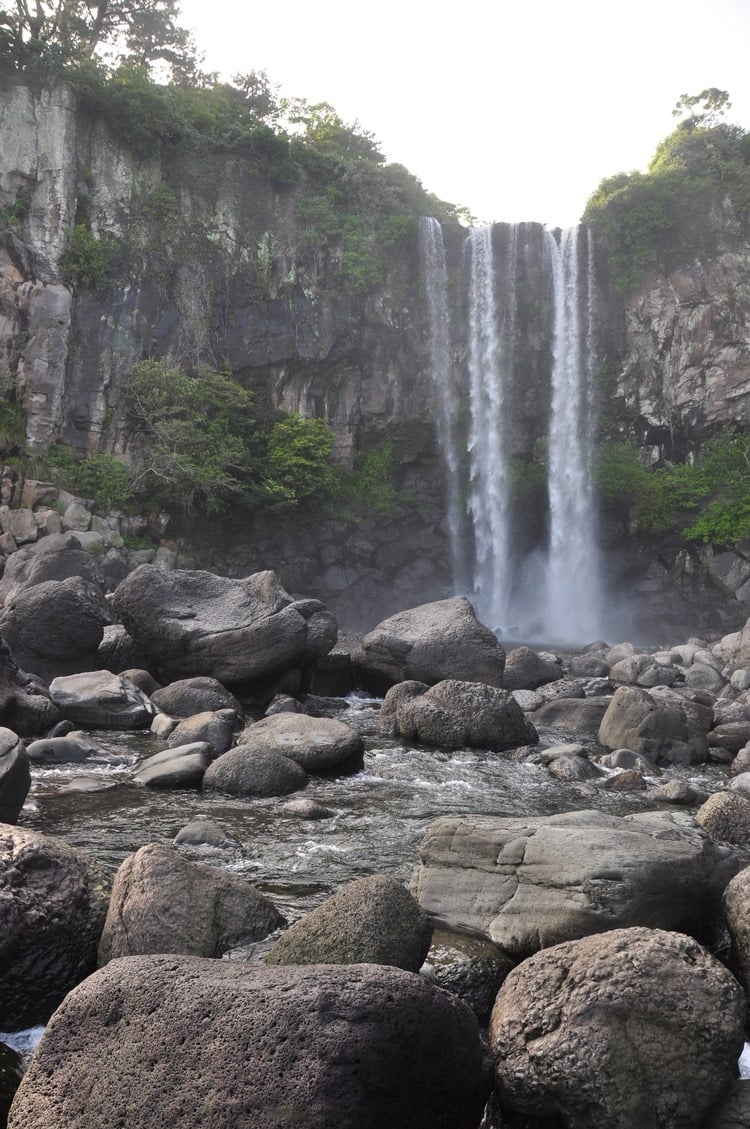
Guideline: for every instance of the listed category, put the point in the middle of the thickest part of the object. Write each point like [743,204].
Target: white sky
[516,110]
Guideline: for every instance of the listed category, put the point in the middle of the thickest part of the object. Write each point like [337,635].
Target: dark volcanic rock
[374,920]
[244,771]
[195,623]
[15,776]
[51,915]
[457,715]
[25,705]
[171,1040]
[189,696]
[317,744]
[574,1030]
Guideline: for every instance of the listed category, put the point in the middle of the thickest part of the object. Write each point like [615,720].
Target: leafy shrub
[88,261]
[101,477]
[299,454]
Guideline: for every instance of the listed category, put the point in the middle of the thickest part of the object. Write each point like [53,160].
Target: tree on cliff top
[52,34]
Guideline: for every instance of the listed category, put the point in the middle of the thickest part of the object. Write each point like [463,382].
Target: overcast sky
[515,110]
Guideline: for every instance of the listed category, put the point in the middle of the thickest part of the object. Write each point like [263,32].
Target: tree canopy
[51,34]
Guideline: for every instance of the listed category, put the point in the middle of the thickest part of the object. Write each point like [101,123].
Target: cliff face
[684,373]
[210,265]
[205,261]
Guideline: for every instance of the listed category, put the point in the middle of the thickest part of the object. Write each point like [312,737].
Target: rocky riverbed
[532,801]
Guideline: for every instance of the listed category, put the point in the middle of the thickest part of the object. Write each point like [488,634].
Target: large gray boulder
[163,903]
[736,905]
[373,920]
[189,696]
[57,558]
[636,720]
[726,816]
[181,767]
[195,623]
[527,883]
[52,908]
[215,728]
[525,669]
[576,717]
[98,699]
[459,715]
[733,1111]
[56,626]
[317,744]
[633,1029]
[15,775]
[245,771]
[428,644]
[175,1040]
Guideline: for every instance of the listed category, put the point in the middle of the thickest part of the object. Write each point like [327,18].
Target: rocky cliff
[108,256]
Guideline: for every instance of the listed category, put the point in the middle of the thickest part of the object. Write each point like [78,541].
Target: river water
[381,812]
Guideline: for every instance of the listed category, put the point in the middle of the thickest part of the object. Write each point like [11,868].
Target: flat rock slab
[185,1041]
[526,884]
[98,699]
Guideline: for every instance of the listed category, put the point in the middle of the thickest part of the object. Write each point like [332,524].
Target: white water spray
[573,611]
[489,369]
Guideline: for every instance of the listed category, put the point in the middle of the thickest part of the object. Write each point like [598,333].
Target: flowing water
[381,811]
[574,606]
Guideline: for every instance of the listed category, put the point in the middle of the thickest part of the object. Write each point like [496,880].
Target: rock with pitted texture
[459,715]
[374,920]
[726,816]
[189,696]
[635,1027]
[245,771]
[164,903]
[177,1040]
[527,883]
[430,643]
[192,623]
[52,908]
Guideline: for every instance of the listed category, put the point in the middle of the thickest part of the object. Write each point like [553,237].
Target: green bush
[87,262]
[299,460]
[100,477]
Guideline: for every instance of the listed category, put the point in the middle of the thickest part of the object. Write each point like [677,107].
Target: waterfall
[573,601]
[489,365]
[436,287]
[530,318]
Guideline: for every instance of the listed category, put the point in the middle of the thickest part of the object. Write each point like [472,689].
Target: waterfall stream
[573,606]
[557,598]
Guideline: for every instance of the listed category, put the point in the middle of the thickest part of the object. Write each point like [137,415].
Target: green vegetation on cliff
[706,500]
[699,173]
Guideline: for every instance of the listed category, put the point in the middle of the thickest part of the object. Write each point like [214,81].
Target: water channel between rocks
[382,811]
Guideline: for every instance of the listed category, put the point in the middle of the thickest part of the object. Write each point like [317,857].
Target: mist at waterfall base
[551,591]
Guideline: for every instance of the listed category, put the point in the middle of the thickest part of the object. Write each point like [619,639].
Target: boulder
[458,715]
[725,815]
[25,705]
[317,744]
[635,720]
[526,669]
[237,631]
[176,1040]
[58,557]
[732,735]
[469,967]
[11,1073]
[304,808]
[183,767]
[204,833]
[216,729]
[245,771]
[733,1110]
[403,691]
[51,913]
[73,748]
[430,643]
[98,699]
[736,905]
[373,920]
[164,903]
[634,1028]
[15,776]
[189,696]
[527,883]
[576,717]
[118,651]
[55,627]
